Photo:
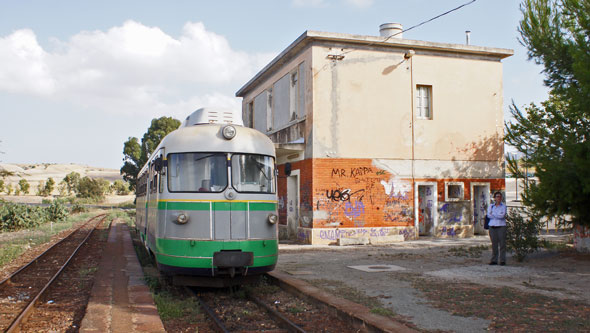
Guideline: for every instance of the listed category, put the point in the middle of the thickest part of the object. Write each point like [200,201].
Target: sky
[78,78]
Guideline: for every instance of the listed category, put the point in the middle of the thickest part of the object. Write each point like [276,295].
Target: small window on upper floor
[423,102]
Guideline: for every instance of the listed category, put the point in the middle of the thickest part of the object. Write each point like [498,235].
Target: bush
[78,208]
[522,233]
[57,211]
[24,186]
[120,187]
[91,188]
[15,217]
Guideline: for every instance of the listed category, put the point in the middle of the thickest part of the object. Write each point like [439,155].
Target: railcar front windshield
[197,172]
[253,173]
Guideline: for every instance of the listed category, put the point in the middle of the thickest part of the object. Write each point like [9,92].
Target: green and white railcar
[207,199]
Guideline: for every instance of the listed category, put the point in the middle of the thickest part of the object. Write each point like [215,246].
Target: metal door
[481,199]
[426,209]
[292,204]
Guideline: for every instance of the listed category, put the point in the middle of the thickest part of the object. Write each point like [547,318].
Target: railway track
[23,288]
[267,318]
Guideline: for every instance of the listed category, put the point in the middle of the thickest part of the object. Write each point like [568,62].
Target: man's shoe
[502,264]
[493,263]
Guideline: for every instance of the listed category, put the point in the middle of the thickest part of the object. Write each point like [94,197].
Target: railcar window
[253,173]
[197,172]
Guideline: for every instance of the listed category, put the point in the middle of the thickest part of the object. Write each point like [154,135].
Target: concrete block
[388,239]
[353,241]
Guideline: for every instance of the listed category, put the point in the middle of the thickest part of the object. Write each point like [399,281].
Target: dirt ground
[447,285]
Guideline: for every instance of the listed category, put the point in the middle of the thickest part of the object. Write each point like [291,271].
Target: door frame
[434,206]
[297,174]
[488,185]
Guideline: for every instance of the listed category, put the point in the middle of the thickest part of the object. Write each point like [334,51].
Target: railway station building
[381,138]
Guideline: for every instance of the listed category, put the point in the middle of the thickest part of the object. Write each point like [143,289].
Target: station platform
[120,300]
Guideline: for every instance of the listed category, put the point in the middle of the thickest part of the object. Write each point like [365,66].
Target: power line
[419,24]
[432,19]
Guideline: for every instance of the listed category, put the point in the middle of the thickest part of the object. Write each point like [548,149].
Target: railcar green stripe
[178,205]
[217,206]
[199,254]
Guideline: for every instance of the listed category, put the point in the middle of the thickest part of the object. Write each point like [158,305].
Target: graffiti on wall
[454,212]
[361,196]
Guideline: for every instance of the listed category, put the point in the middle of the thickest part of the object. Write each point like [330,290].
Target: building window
[454,191]
[423,102]
[269,109]
[249,115]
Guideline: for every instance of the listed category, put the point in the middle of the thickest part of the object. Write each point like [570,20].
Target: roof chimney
[467,37]
[391,30]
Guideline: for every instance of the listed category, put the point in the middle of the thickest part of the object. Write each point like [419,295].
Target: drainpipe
[408,56]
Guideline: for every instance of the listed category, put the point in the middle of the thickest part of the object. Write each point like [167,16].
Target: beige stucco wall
[467,108]
[363,106]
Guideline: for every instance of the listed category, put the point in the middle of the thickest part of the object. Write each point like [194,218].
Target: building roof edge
[310,35]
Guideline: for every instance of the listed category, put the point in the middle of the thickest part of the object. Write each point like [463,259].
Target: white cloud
[129,69]
[23,64]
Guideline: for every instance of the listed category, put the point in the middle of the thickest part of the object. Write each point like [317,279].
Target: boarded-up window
[260,112]
[248,116]
[281,90]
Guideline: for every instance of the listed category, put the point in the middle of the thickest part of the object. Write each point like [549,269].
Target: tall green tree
[135,155]
[553,137]
[24,185]
[71,181]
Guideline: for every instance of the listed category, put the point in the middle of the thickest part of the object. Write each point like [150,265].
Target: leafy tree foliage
[553,136]
[522,234]
[24,186]
[49,186]
[92,188]
[71,181]
[120,187]
[2,185]
[135,155]
[41,188]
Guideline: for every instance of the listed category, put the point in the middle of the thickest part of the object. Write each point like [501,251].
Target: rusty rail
[27,310]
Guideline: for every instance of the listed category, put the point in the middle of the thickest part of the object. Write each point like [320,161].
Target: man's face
[498,198]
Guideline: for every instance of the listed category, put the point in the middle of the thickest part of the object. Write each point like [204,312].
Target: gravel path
[451,261]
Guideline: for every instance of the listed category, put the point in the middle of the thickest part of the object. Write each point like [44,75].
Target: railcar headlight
[272,218]
[229,132]
[182,218]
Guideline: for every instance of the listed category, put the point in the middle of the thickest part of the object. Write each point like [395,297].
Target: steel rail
[218,323]
[22,316]
[49,249]
[285,322]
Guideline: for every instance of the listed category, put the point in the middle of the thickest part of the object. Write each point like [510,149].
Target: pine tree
[553,137]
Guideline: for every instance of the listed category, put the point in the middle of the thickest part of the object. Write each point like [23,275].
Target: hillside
[34,173]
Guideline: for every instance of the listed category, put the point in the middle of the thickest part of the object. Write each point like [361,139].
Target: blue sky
[77,78]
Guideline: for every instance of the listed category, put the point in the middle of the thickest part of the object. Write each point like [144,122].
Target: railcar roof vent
[214,116]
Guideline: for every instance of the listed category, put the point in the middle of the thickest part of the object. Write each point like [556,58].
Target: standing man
[497,215]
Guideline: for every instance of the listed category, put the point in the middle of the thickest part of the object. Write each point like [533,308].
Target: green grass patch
[16,243]
[171,306]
